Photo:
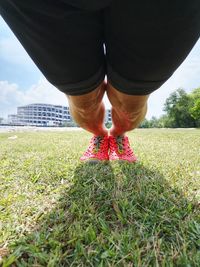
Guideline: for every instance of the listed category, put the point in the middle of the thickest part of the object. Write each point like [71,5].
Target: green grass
[56,211]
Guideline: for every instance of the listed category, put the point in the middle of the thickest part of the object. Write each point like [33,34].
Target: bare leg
[88,110]
[127,110]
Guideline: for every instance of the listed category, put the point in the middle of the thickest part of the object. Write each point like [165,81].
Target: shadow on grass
[114,215]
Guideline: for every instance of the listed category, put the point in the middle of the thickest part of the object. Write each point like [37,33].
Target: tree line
[182,110]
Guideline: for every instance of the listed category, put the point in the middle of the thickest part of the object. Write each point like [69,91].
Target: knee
[131,110]
[131,115]
[128,104]
[82,107]
[86,103]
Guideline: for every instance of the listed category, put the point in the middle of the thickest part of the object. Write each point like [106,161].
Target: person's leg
[72,59]
[88,110]
[145,43]
[127,110]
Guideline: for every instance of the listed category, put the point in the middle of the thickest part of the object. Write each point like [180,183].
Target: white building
[13,118]
[41,115]
[108,117]
[45,115]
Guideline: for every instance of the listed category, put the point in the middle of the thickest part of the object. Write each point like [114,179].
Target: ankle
[100,132]
[116,132]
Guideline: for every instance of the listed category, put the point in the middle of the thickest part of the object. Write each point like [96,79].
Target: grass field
[56,211]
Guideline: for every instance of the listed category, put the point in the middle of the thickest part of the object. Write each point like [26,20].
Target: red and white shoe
[120,149]
[97,150]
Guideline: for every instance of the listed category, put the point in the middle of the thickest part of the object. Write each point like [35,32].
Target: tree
[182,110]
[108,125]
[195,108]
[144,124]
[164,122]
[178,106]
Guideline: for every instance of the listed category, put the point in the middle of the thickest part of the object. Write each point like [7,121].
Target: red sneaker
[97,150]
[120,149]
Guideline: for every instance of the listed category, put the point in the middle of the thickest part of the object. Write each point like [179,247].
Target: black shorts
[138,44]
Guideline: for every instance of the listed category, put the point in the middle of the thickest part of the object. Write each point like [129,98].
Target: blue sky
[22,83]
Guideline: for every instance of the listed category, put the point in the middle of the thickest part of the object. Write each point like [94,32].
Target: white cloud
[43,92]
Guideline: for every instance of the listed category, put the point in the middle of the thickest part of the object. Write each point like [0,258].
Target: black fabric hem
[132,87]
[82,87]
